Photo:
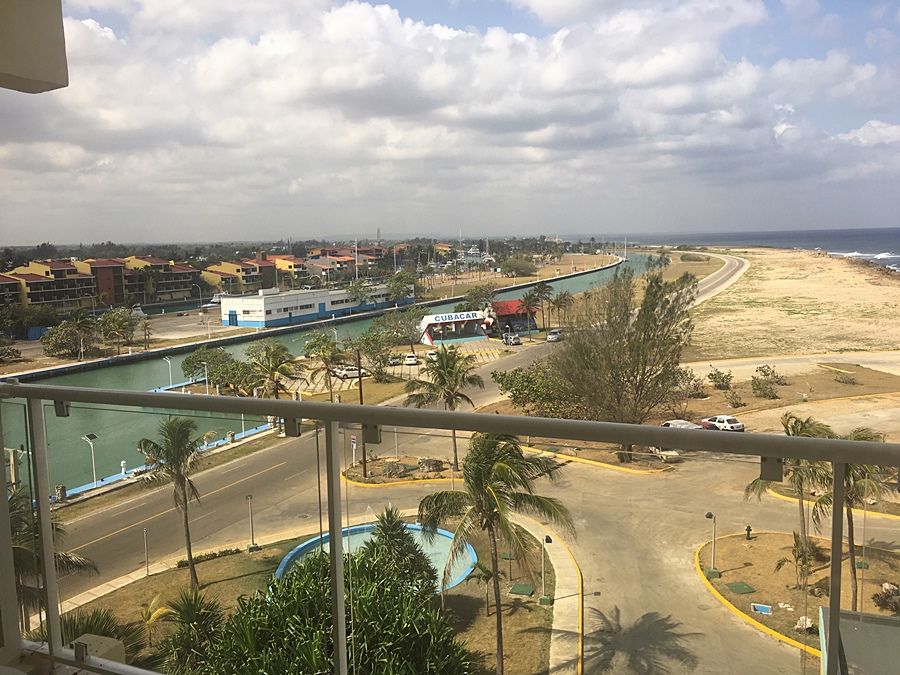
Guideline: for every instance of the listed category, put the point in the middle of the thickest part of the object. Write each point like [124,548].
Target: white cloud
[873,132]
[307,117]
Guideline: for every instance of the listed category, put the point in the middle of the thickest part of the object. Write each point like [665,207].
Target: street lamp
[546,540]
[168,360]
[252,547]
[206,375]
[89,439]
[199,295]
[712,571]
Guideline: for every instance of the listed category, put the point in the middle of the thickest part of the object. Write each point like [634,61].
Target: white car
[349,372]
[431,356]
[722,423]
[410,360]
[667,454]
[555,335]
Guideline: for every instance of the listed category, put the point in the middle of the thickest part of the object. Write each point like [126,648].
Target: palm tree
[649,646]
[484,575]
[447,377]
[325,347]
[196,621]
[543,291]
[530,304]
[498,479]
[147,329]
[172,459]
[271,362]
[561,302]
[27,557]
[861,482]
[85,326]
[801,474]
[151,613]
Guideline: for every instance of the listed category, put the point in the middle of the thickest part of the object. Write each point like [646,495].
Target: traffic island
[757,580]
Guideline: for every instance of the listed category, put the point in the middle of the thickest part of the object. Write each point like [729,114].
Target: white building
[271,307]
[455,327]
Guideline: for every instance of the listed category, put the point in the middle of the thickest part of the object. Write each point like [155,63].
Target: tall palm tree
[27,556]
[147,330]
[324,346]
[272,363]
[861,482]
[543,291]
[498,479]
[530,303]
[172,460]
[801,474]
[447,377]
[561,303]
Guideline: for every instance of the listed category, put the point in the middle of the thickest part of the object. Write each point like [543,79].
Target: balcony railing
[29,413]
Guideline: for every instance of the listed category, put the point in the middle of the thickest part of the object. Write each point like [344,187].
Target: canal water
[119,429]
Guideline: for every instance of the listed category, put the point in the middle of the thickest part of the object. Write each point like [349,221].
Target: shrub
[887,600]
[720,380]
[734,399]
[769,373]
[845,378]
[212,555]
[693,257]
[763,388]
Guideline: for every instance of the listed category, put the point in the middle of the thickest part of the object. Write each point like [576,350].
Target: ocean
[878,245]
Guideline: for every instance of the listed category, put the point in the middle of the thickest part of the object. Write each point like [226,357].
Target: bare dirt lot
[799,302]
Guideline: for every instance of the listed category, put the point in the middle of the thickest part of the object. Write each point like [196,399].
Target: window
[268,311]
[245,312]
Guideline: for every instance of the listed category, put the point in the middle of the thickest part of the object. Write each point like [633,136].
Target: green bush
[763,387]
[769,373]
[720,380]
[734,399]
[693,257]
[212,555]
[845,378]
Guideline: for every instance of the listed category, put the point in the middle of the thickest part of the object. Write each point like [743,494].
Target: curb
[746,617]
[579,668]
[596,463]
[871,514]
[396,483]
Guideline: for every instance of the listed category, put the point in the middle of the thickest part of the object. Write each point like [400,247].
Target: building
[289,270]
[454,327]
[10,290]
[55,283]
[247,275]
[271,307]
[265,268]
[511,317]
[109,278]
[152,279]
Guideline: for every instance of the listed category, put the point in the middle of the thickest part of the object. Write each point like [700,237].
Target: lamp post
[168,360]
[89,439]
[199,295]
[546,540]
[252,547]
[206,375]
[712,567]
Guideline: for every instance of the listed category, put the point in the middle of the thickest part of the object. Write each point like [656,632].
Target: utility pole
[356,258]
[362,436]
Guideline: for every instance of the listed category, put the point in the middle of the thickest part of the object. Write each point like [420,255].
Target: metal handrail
[762,445]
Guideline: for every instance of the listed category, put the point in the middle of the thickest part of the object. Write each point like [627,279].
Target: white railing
[770,448]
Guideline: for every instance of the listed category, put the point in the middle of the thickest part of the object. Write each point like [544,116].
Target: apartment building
[152,279]
[109,278]
[55,283]
[289,270]
[240,276]
[10,290]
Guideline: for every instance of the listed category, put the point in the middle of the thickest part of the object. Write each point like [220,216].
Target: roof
[105,262]
[28,276]
[182,267]
[342,258]
[259,263]
[509,307]
[153,260]
[58,264]
[6,279]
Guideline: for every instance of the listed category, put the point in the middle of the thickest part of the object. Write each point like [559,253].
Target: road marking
[239,465]
[132,508]
[294,475]
[208,513]
[170,510]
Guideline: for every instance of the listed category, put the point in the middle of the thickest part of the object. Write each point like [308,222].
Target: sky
[227,120]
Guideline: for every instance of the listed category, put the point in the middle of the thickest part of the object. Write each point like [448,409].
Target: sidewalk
[568,604]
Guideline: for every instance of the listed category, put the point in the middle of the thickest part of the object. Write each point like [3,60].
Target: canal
[118,430]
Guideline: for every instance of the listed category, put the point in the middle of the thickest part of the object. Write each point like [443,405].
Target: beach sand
[799,302]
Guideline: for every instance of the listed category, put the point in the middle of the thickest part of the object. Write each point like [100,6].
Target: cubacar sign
[455,316]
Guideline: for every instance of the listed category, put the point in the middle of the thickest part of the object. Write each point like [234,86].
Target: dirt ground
[754,561]
[799,302]
[375,469]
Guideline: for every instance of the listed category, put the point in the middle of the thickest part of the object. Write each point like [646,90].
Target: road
[635,534]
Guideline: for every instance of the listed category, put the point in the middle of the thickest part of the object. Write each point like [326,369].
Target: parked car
[410,360]
[511,339]
[668,454]
[555,335]
[395,360]
[722,423]
[431,356]
[349,372]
